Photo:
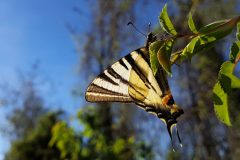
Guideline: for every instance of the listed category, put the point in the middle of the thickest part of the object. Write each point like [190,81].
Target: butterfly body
[131,79]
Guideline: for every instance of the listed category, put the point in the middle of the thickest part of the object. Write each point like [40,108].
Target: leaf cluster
[35,144]
[199,40]
[227,81]
[92,143]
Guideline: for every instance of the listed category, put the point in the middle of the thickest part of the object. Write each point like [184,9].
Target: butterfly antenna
[130,23]
[177,64]
[179,139]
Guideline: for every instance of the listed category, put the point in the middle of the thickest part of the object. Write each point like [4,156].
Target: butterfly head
[150,39]
[170,114]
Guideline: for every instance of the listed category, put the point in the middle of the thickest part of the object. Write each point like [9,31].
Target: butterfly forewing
[111,85]
[128,80]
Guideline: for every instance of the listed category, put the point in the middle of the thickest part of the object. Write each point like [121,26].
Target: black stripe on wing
[98,89]
[123,64]
[106,78]
[138,70]
[113,73]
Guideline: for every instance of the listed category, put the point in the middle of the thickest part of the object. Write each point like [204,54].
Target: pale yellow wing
[128,80]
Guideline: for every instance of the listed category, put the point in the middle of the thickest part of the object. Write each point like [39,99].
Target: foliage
[35,144]
[199,41]
[173,155]
[207,36]
[166,23]
[29,122]
[92,143]
[153,49]
[26,104]
[164,55]
[66,141]
[226,82]
[160,52]
[191,24]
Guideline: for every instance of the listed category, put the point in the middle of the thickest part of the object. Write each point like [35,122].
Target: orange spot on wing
[166,98]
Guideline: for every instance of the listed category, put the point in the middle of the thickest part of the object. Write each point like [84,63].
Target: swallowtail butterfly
[131,79]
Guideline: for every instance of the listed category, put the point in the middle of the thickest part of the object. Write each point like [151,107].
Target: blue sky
[33,31]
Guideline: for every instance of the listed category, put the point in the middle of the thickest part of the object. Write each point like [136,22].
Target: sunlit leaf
[207,36]
[205,39]
[197,45]
[219,29]
[100,143]
[131,140]
[188,51]
[87,132]
[235,52]
[164,54]
[212,26]
[220,99]
[56,132]
[153,50]
[65,140]
[118,146]
[85,152]
[166,23]
[226,77]
[238,31]
[191,24]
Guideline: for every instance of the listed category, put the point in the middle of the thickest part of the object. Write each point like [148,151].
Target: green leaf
[235,52]
[220,99]
[87,132]
[219,29]
[197,45]
[153,50]
[85,152]
[165,22]
[131,140]
[212,26]
[191,24]
[226,77]
[238,32]
[65,140]
[118,146]
[164,54]
[207,36]
[188,51]
[206,39]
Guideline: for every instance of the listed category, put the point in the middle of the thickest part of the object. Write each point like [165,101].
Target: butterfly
[131,80]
